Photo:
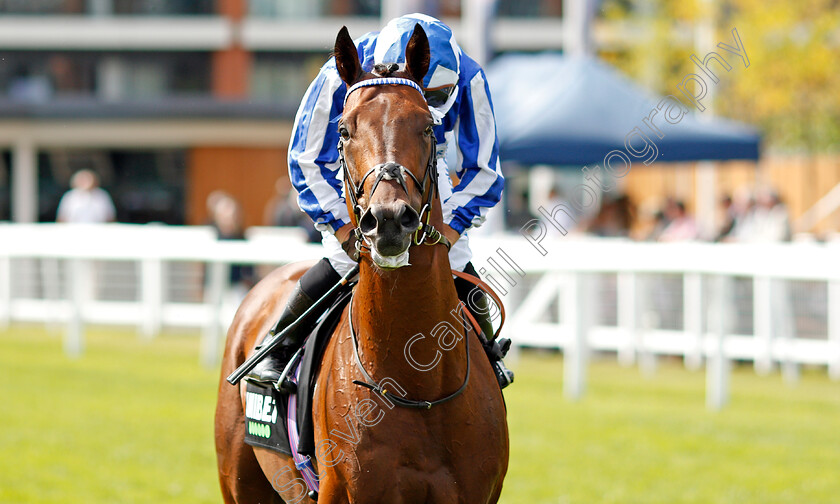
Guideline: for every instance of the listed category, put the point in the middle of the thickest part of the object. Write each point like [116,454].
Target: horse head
[387,147]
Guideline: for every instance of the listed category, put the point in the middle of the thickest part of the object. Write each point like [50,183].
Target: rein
[401,401]
[481,284]
[426,233]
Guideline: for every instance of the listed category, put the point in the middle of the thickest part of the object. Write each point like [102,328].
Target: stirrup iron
[284,383]
[503,375]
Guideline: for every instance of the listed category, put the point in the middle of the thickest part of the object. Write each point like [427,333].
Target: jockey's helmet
[440,82]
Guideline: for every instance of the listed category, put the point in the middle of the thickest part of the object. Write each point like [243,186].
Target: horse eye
[428,131]
[345,134]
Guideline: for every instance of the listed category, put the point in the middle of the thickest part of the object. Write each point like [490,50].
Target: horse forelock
[385,69]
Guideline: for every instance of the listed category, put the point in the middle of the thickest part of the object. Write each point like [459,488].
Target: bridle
[425,233]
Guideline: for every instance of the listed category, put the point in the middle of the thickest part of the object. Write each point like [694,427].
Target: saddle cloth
[266,408]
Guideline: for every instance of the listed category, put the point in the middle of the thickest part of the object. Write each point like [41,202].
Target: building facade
[168,100]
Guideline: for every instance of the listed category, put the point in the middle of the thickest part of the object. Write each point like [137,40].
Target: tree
[791,90]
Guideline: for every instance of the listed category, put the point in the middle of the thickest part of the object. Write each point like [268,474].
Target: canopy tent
[560,110]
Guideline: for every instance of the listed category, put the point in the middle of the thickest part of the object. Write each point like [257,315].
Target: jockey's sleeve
[481,181]
[313,152]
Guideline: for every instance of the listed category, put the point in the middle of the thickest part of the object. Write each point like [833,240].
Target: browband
[379,81]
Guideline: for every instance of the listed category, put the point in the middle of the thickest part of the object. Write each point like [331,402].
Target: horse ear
[417,54]
[347,57]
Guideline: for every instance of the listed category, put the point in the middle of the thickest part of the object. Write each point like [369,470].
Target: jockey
[458,96]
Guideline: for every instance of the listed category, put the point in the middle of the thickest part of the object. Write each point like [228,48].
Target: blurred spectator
[772,223]
[565,221]
[85,202]
[212,201]
[681,226]
[743,205]
[615,219]
[728,218]
[282,210]
[226,217]
[763,219]
[518,213]
[659,223]
[651,221]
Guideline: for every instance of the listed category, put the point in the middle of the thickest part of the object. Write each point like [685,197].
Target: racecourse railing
[768,304]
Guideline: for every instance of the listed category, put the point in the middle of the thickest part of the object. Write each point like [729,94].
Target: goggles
[438,97]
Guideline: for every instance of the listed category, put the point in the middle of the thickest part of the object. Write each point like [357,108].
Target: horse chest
[398,455]
[385,453]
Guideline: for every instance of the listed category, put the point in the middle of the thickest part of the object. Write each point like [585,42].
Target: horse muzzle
[388,228]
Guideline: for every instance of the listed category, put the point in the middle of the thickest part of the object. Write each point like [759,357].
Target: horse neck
[391,307]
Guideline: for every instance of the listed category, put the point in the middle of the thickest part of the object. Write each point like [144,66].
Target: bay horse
[372,450]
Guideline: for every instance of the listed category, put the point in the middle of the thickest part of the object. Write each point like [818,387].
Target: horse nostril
[409,219]
[368,222]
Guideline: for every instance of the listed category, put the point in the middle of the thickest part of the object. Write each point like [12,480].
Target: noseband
[426,233]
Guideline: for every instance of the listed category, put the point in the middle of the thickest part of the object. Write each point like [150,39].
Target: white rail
[715,319]
[768,304]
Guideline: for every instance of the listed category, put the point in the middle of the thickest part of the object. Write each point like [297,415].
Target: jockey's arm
[480,177]
[343,233]
[313,157]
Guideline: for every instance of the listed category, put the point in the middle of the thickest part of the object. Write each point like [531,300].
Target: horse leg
[240,476]
[332,494]
[496,494]
[284,477]
[243,478]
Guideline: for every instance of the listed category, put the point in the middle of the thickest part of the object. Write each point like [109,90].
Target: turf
[131,421]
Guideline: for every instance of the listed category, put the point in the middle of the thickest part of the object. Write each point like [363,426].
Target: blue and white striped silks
[468,123]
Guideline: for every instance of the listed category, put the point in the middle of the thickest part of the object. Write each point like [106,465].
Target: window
[529,8]
[149,186]
[26,7]
[164,7]
[106,7]
[313,9]
[38,77]
[285,8]
[45,76]
[283,78]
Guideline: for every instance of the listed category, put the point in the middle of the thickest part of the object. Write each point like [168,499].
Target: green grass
[131,421]
[637,440]
[127,422]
